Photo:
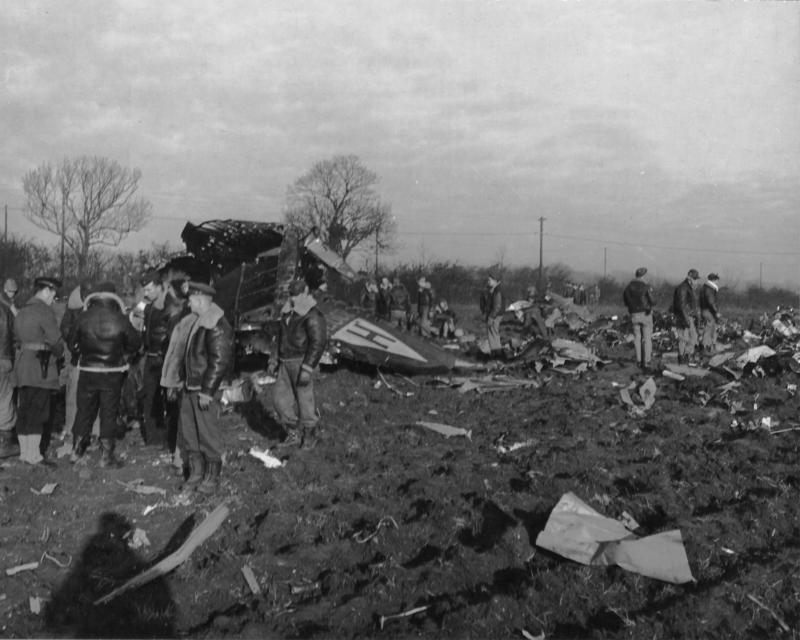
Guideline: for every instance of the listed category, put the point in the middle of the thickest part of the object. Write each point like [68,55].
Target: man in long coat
[39,345]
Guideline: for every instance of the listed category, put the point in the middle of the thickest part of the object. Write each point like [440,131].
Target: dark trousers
[98,392]
[33,412]
[153,421]
[200,429]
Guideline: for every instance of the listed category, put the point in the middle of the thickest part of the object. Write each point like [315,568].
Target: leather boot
[79,446]
[210,482]
[197,470]
[309,437]
[107,458]
[8,447]
[294,438]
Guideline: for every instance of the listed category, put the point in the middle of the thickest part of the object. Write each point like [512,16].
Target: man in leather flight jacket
[104,340]
[206,363]
[684,306]
[638,298]
[301,341]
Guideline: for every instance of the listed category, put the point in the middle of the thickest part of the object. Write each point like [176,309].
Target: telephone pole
[605,261]
[377,232]
[541,259]
[760,275]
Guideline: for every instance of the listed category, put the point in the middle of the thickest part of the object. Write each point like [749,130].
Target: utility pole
[5,244]
[605,261]
[377,233]
[541,260]
[760,275]
[63,231]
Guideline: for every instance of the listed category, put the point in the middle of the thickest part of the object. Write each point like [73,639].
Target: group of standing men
[102,344]
[391,301]
[690,307]
[183,349]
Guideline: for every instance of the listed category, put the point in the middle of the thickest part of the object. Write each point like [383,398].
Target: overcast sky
[649,133]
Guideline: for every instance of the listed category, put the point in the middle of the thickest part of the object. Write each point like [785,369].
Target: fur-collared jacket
[708,299]
[103,337]
[209,351]
[303,332]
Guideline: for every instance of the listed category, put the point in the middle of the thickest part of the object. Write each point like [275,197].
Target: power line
[671,248]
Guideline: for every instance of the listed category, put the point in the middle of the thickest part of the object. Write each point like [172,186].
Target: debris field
[418,510]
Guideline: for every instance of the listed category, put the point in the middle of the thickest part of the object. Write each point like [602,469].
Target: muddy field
[383,517]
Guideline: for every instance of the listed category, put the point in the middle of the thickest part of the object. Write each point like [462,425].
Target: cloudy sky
[657,134]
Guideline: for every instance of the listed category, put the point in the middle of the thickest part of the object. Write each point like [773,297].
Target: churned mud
[382,518]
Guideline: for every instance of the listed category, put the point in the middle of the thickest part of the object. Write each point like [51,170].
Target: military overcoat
[36,326]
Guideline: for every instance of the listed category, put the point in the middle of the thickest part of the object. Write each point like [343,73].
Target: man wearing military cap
[684,306]
[709,311]
[207,361]
[39,346]
[8,413]
[302,336]
[638,298]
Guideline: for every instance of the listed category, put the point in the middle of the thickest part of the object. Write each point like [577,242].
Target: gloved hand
[272,367]
[304,379]
[172,394]
[203,401]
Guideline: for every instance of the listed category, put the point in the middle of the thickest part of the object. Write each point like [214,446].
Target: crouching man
[103,339]
[301,340]
[208,359]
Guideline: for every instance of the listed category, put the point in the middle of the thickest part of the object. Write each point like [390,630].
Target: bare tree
[338,197]
[86,201]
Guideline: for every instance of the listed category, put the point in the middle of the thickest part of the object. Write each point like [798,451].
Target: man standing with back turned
[638,298]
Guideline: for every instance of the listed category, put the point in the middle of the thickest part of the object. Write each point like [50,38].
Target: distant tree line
[25,260]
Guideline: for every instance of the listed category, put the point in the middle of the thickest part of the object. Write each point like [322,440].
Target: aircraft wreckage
[251,265]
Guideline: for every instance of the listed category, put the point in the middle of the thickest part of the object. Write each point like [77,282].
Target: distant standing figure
[709,311]
[638,298]
[684,306]
[40,345]
[579,297]
[492,309]
[369,298]
[424,304]
[383,298]
[399,304]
